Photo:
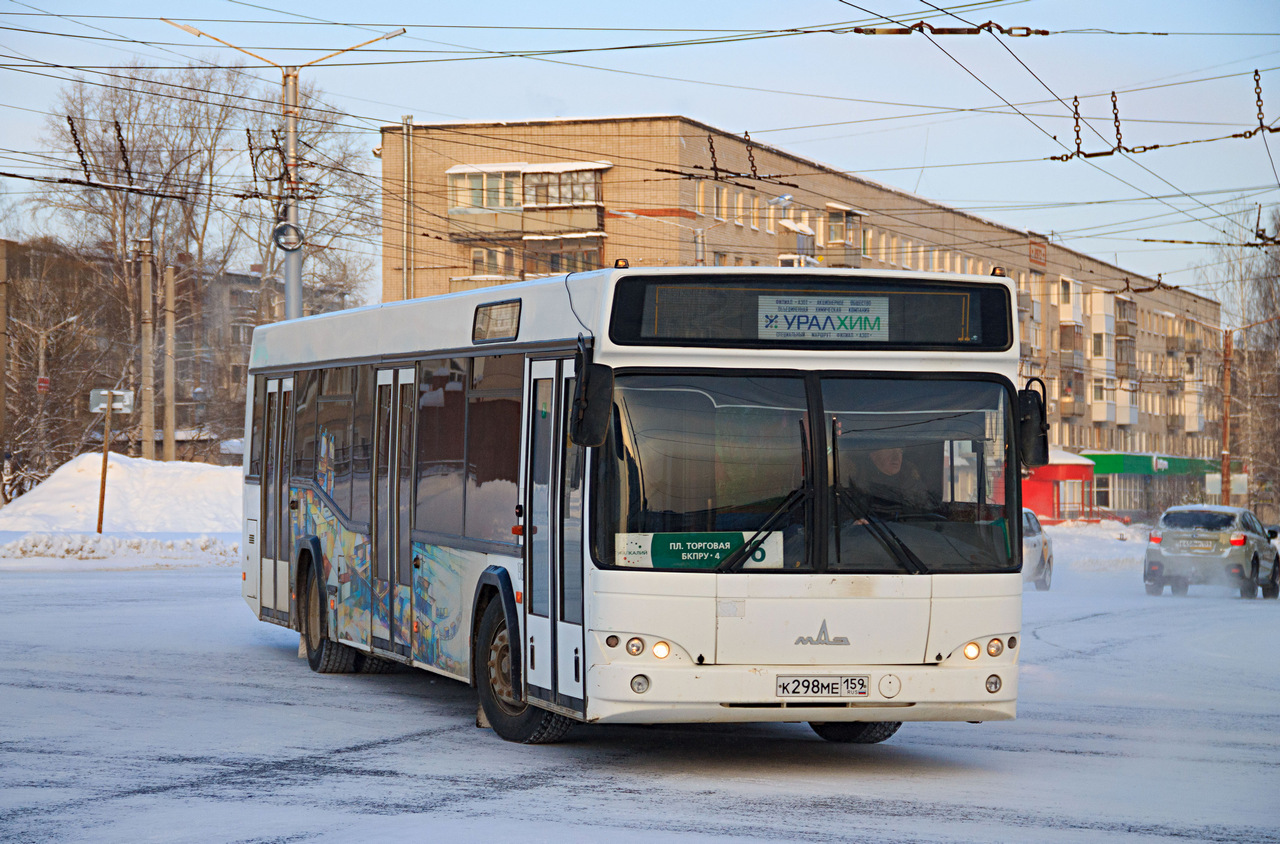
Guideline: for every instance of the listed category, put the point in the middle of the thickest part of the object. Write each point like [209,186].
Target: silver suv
[1210,544]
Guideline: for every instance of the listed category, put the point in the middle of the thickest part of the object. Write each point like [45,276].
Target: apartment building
[1131,365]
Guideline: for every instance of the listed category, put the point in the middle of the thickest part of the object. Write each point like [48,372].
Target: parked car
[1210,544]
[1037,552]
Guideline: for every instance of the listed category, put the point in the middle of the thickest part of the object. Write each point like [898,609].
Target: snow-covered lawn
[151,705]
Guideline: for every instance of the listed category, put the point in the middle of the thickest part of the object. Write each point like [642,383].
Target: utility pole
[1225,497]
[288,234]
[148,355]
[292,256]
[170,387]
[4,363]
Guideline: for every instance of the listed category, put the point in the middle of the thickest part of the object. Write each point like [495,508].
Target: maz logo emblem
[823,638]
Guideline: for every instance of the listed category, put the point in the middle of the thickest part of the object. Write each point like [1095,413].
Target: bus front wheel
[511,718]
[855,732]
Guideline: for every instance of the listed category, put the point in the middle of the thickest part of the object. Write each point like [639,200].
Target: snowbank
[157,515]
[143,496]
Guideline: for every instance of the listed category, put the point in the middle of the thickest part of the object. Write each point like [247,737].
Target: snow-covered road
[150,705]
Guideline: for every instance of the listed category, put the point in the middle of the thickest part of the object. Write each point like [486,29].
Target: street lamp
[1228,335]
[287,234]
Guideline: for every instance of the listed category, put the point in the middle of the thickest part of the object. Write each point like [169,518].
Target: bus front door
[391,616]
[277,537]
[554,655]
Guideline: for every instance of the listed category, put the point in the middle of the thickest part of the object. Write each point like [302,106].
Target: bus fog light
[995,647]
[993,684]
[635,646]
[640,684]
[661,650]
[972,650]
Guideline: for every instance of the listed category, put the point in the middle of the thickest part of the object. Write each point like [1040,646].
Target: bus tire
[324,655]
[512,719]
[369,664]
[855,732]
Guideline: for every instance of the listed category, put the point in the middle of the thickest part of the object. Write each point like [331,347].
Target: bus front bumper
[735,693]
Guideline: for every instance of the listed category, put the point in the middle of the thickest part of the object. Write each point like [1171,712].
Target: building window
[721,259]
[572,187]
[566,257]
[740,211]
[493,262]
[1098,344]
[490,191]
[720,202]
[241,334]
[1064,293]
[839,227]
[755,212]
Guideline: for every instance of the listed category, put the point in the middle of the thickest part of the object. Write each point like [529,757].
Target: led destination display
[810,311]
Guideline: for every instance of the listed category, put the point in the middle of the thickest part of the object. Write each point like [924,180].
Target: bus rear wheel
[512,719]
[324,655]
[855,732]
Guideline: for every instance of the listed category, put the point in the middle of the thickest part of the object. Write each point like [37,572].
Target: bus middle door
[391,616]
[554,655]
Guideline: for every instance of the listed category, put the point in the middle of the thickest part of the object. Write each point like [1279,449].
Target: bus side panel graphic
[345,565]
[437,605]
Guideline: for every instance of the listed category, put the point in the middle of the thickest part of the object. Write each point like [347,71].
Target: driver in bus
[885,484]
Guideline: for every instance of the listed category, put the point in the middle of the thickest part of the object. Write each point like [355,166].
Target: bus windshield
[718,472]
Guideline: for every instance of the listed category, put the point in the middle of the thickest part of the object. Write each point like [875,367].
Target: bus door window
[553,543]
[393,496]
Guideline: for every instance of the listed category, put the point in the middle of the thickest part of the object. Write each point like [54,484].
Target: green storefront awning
[1112,463]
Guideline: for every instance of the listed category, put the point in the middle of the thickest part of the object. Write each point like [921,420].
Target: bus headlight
[635,646]
[995,647]
[661,650]
[972,650]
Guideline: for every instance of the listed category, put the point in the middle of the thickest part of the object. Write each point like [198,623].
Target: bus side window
[256,438]
[493,446]
[362,445]
[442,423]
[304,416]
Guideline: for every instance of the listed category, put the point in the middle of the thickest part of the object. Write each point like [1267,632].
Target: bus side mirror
[592,405]
[1033,428]
[592,399]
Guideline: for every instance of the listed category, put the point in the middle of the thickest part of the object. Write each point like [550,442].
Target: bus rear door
[554,654]
[277,537]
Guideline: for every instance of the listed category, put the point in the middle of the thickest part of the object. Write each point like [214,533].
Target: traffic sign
[42,384]
[121,401]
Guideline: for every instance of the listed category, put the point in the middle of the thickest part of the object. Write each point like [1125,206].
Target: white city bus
[640,496]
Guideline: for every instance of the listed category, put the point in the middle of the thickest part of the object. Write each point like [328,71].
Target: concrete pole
[148,356]
[406,246]
[293,259]
[170,387]
[1225,498]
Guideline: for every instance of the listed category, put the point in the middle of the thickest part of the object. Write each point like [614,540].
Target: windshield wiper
[740,554]
[887,537]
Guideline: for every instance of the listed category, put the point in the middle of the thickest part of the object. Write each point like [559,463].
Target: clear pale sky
[897,109]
